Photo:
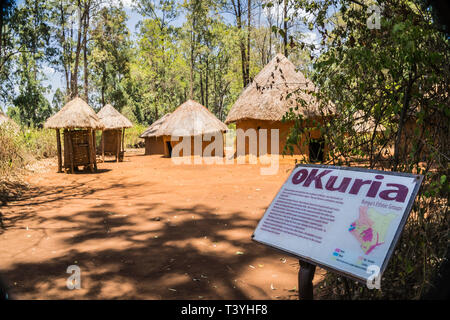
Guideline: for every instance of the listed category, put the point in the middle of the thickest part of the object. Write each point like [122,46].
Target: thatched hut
[114,133]
[194,121]
[79,122]
[263,103]
[154,143]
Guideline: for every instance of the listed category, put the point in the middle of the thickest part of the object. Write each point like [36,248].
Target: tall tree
[7,47]
[239,12]
[110,55]
[31,21]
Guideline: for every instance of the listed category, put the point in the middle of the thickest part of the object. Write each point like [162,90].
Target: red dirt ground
[146,229]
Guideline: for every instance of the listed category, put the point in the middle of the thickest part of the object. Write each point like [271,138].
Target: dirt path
[146,229]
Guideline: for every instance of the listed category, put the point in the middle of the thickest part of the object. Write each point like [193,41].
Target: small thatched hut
[194,121]
[268,98]
[79,122]
[154,143]
[114,133]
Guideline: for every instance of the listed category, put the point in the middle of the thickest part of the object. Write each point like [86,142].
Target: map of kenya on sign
[342,219]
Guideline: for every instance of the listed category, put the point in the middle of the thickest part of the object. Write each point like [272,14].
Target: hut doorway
[316,153]
[169,148]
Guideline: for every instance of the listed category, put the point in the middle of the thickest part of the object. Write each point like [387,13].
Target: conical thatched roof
[113,119]
[265,97]
[75,114]
[152,131]
[191,119]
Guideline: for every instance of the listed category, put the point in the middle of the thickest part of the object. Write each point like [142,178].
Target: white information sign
[344,219]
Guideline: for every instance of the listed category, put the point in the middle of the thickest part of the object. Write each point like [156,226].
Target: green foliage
[384,95]
[40,143]
[31,108]
[132,139]
[30,24]
[109,58]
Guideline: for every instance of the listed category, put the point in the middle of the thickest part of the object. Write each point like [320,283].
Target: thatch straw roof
[191,119]
[75,114]
[3,117]
[152,131]
[266,97]
[363,123]
[113,119]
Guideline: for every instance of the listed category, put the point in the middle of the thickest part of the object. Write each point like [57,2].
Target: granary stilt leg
[103,146]
[90,147]
[69,139]
[94,151]
[118,146]
[123,141]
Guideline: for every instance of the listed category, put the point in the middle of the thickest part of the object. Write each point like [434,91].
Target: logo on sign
[390,191]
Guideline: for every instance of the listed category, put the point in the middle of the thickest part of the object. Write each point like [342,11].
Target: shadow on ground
[168,252]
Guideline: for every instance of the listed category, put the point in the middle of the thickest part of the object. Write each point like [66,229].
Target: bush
[18,148]
[132,139]
[40,143]
[13,153]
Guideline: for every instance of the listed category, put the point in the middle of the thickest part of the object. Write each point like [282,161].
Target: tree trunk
[206,83]
[403,117]
[1,33]
[238,14]
[103,86]
[202,93]
[285,28]
[62,41]
[74,76]
[247,64]
[191,75]
[85,62]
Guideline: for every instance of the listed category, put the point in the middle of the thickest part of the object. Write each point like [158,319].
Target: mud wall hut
[189,123]
[113,135]
[154,143]
[263,103]
[78,122]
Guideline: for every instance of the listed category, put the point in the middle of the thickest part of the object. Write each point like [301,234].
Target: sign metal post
[305,280]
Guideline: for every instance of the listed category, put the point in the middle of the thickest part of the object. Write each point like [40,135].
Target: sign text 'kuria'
[389,192]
